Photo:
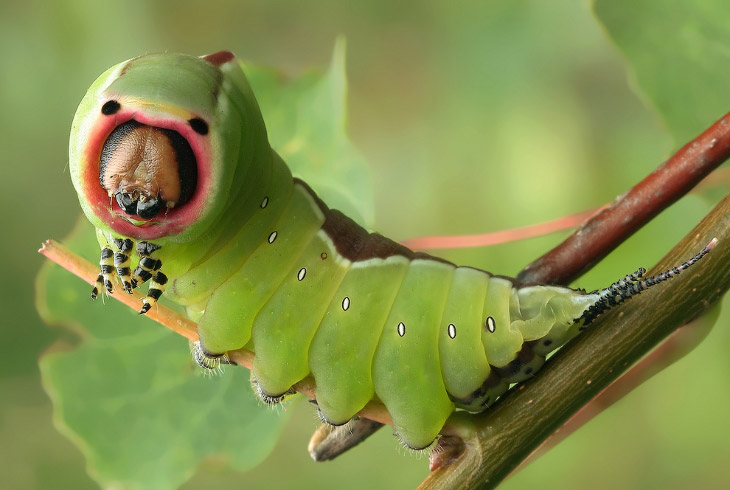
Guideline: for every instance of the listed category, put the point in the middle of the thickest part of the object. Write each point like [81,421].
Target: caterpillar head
[159,141]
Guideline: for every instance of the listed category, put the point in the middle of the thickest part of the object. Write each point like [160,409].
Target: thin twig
[87,271]
[508,432]
[598,236]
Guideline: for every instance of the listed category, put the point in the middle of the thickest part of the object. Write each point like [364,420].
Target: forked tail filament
[633,284]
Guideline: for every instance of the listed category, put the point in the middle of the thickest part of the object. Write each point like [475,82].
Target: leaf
[679,56]
[131,398]
[306,119]
[129,395]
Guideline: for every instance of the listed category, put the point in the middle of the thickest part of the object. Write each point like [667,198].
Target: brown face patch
[147,169]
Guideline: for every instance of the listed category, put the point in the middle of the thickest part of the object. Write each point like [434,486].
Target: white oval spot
[401,329]
[265,202]
[491,326]
[345,303]
[272,237]
[302,273]
[452,330]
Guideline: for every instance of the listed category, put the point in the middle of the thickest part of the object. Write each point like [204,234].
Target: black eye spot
[198,125]
[110,107]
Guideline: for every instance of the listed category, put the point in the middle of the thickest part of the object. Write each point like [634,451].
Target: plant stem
[87,271]
[507,433]
[602,233]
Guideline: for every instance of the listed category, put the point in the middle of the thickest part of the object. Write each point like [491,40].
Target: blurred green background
[475,116]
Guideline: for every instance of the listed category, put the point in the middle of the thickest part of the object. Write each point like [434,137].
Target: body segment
[348,335]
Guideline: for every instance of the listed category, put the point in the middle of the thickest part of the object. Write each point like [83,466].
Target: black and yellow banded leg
[157,287]
[122,260]
[147,263]
[104,279]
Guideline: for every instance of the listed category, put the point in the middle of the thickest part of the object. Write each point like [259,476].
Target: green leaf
[132,399]
[679,53]
[306,119]
[129,395]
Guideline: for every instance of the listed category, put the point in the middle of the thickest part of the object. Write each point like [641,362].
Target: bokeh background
[474,116]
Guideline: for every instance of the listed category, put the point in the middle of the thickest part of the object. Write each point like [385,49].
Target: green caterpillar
[172,165]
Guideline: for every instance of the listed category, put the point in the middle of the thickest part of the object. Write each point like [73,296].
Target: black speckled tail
[632,285]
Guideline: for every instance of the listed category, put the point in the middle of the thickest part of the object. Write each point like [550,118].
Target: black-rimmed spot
[110,107]
[401,329]
[491,325]
[451,330]
[198,125]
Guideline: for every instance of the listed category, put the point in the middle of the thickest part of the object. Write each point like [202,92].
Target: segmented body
[261,262]
[367,317]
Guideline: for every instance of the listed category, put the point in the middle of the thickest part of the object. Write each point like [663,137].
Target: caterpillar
[170,158]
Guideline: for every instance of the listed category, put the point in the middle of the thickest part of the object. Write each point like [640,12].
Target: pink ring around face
[173,221]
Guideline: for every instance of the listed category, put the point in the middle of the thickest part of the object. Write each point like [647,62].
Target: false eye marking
[346,303]
[302,273]
[110,107]
[198,125]
[401,329]
[272,237]
[491,326]
[265,202]
[451,330]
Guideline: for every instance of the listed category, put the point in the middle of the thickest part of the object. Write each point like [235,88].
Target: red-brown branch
[602,233]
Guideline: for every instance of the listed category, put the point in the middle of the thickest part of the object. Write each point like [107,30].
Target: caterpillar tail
[633,284]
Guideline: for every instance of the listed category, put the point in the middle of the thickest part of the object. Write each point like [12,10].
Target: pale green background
[475,117]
